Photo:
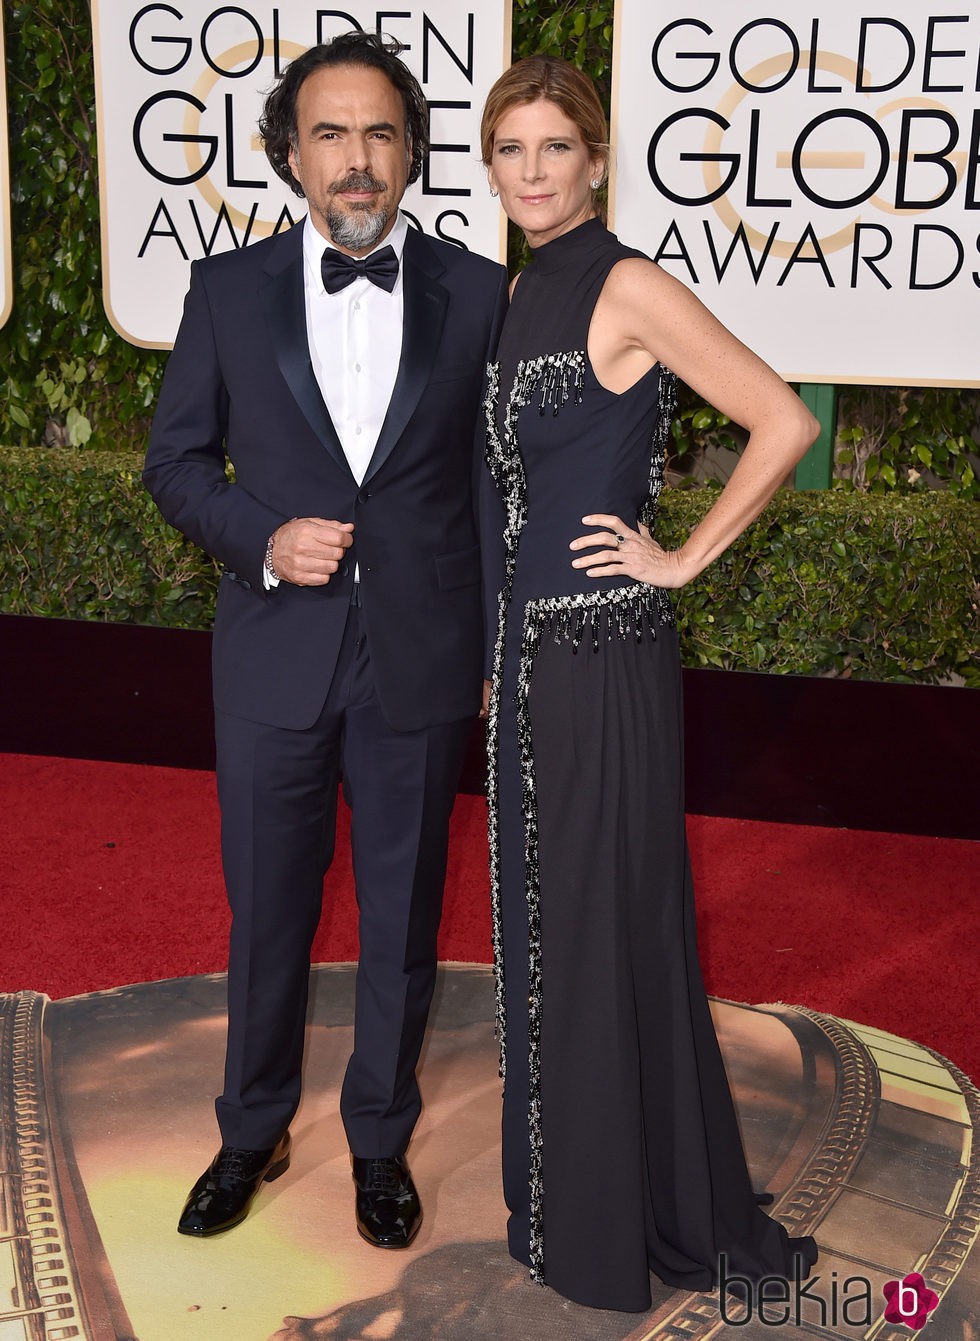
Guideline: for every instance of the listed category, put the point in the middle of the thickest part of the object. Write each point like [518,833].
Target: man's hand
[307,551]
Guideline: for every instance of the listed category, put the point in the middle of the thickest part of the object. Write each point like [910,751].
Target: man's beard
[358,226]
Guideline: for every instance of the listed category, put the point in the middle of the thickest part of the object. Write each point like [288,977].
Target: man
[340,366]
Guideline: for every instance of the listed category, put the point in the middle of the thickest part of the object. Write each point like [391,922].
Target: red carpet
[110,874]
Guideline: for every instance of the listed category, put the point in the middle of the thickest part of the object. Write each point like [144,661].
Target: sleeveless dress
[621,1152]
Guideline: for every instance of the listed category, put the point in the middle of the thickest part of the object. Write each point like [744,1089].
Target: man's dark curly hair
[277,125]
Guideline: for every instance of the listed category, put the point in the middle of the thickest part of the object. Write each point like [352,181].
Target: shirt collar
[314,243]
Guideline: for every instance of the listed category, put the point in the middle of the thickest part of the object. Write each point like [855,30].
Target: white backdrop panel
[181,172]
[6,262]
[814,177]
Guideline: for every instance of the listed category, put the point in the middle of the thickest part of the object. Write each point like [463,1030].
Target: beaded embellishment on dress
[666,405]
[626,612]
[559,376]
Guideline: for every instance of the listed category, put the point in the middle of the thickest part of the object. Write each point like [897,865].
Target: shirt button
[358,430]
[357,367]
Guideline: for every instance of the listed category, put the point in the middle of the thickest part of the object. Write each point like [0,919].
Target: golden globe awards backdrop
[813,177]
[181,171]
[6,263]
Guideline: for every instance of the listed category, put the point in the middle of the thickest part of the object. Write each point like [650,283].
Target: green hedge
[82,539]
[881,587]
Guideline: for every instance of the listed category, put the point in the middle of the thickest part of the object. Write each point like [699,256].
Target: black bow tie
[339,269]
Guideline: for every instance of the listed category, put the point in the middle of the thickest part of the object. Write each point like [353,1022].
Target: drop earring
[493,193]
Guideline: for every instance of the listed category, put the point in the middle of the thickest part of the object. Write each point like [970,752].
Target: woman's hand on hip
[619,550]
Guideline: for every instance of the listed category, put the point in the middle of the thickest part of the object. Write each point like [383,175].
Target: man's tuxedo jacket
[240,382]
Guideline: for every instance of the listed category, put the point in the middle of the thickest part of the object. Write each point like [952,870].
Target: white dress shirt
[355,339]
[356,345]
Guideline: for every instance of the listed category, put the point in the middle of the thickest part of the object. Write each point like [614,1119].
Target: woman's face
[543,170]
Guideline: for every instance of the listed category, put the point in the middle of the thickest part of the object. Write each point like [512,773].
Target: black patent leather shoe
[220,1198]
[387,1207]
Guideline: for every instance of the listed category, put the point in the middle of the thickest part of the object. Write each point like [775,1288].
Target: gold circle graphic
[777,65]
[244,51]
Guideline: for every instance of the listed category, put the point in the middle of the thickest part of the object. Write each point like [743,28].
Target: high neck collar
[565,248]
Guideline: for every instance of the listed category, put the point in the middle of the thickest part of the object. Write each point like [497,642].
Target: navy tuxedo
[306,687]
[240,374]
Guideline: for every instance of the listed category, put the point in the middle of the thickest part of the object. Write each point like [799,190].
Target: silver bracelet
[269,565]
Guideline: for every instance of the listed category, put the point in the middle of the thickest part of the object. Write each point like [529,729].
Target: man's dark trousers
[278,794]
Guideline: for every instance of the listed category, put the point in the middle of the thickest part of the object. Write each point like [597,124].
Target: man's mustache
[358,181]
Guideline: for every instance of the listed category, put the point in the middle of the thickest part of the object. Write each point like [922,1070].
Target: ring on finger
[620,539]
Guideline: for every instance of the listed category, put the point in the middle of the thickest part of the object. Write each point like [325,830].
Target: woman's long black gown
[621,1152]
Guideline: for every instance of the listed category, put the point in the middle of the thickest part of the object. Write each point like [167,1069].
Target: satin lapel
[284,300]
[424,317]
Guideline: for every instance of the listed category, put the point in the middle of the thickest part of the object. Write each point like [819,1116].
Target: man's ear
[296,168]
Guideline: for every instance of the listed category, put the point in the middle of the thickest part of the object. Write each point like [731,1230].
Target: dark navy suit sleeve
[185,463]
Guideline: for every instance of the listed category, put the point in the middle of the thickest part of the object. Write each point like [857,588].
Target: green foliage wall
[67,373]
[825,583]
[69,379]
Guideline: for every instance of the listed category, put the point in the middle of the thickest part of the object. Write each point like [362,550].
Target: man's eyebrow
[334,125]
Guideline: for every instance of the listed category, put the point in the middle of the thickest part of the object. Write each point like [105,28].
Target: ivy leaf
[78,426]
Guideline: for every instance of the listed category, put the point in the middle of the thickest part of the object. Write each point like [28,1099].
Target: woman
[620,1146]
